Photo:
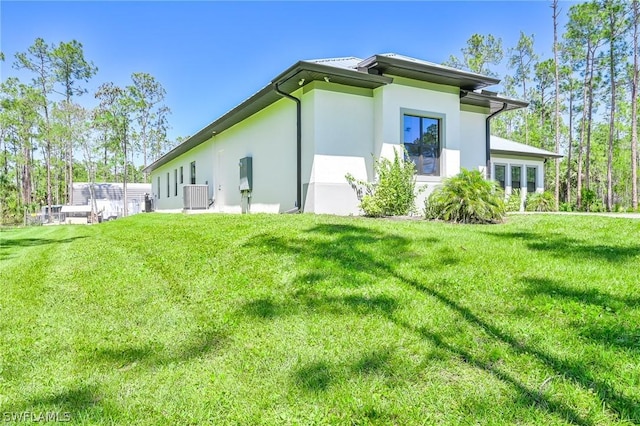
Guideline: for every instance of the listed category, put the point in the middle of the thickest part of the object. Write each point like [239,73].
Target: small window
[193,173]
[158,188]
[422,142]
[500,175]
[516,177]
[531,179]
[168,192]
[175,182]
[181,176]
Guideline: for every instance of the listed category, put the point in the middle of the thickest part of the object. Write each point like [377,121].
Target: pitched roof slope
[375,71]
[506,146]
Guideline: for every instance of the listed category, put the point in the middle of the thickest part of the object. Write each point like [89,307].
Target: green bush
[567,207]
[466,198]
[540,202]
[588,200]
[394,193]
[514,201]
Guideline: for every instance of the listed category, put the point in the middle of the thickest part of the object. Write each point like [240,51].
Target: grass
[265,319]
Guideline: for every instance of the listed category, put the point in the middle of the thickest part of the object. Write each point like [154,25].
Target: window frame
[159,187]
[535,178]
[513,166]
[506,180]
[181,176]
[192,172]
[168,186]
[175,182]
[442,119]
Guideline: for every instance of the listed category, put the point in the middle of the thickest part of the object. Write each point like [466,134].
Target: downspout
[298,145]
[488,138]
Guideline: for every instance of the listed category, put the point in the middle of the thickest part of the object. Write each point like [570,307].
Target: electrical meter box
[246,174]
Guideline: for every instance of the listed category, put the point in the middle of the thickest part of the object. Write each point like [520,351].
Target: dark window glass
[193,173]
[158,189]
[168,192]
[516,177]
[181,176]
[175,182]
[531,179]
[422,142]
[501,172]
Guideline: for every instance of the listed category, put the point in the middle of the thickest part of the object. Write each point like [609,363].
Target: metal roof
[505,146]
[417,69]
[351,71]
[490,100]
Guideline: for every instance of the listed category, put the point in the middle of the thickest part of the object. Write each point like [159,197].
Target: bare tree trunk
[570,148]
[589,121]
[557,118]
[124,176]
[583,126]
[634,110]
[612,69]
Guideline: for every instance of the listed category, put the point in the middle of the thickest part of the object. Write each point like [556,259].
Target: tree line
[583,101]
[48,140]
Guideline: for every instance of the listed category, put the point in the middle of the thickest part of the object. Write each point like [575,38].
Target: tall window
[516,177]
[168,192]
[175,182]
[193,173]
[181,176]
[422,142]
[158,187]
[501,174]
[531,179]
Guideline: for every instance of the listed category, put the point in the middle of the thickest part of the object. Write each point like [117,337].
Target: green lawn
[302,319]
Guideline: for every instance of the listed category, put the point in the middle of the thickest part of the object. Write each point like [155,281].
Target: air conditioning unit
[195,197]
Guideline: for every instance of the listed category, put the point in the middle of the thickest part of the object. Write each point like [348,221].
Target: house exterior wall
[523,162]
[473,138]
[342,140]
[343,129]
[269,137]
[202,155]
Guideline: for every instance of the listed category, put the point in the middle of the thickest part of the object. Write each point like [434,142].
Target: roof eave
[288,81]
[493,102]
[466,80]
[527,154]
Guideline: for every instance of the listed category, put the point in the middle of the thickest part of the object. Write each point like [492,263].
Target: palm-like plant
[466,198]
[541,202]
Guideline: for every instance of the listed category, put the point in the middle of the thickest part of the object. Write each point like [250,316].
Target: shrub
[393,194]
[588,199]
[514,201]
[466,198]
[540,202]
[567,207]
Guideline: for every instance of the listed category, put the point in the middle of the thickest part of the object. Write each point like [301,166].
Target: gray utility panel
[246,174]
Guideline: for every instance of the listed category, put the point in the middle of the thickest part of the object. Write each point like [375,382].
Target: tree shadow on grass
[126,357]
[74,400]
[556,289]
[346,247]
[309,301]
[10,246]
[318,376]
[608,328]
[562,246]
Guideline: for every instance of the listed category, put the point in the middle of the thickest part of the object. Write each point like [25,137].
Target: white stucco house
[289,146]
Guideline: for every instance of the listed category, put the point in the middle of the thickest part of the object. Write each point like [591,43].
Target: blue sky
[210,55]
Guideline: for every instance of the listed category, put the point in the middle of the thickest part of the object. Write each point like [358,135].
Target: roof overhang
[296,76]
[526,154]
[424,71]
[490,100]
